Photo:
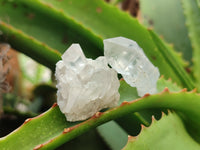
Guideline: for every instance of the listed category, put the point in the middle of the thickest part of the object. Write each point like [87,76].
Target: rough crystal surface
[128,59]
[85,86]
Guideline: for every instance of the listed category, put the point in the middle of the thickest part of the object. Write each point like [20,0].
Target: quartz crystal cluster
[85,86]
[128,59]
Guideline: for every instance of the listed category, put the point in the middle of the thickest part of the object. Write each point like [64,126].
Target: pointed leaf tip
[194,90]
[38,147]
[162,76]
[173,129]
[184,90]
[122,79]
[146,95]
[163,114]
[169,79]
[166,90]
[124,103]
[153,118]
[142,127]
[130,138]
[54,105]
[97,115]
[66,130]
[27,120]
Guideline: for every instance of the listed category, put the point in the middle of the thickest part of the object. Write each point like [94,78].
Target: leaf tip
[153,118]
[97,115]
[184,90]
[54,105]
[194,90]
[27,120]
[169,79]
[162,77]
[38,147]
[146,95]
[124,103]
[66,130]
[166,90]
[122,79]
[130,138]
[142,127]
[163,114]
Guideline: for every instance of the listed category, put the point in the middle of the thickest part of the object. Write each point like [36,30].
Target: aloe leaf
[128,93]
[37,130]
[167,133]
[61,133]
[177,101]
[129,27]
[162,84]
[31,46]
[172,60]
[132,122]
[88,30]
[192,13]
[56,131]
[106,130]
[171,27]
[37,35]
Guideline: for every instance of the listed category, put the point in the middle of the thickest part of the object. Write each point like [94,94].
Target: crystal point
[85,86]
[127,58]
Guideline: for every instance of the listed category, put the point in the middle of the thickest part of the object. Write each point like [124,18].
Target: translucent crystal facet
[128,59]
[85,86]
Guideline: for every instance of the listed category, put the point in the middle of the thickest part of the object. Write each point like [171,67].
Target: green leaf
[172,60]
[52,130]
[181,102]
[167,133]
[37,35]
[192,13]
[162,84]
[167,19]
[124,25]
[35,131]
[30,46]
[85,26]
[132,122]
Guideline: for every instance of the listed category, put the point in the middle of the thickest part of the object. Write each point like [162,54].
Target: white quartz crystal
[128,59]
[85,86]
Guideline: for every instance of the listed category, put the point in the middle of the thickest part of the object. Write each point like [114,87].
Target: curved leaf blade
[90,31]
[167,133]
[192,13]
[60,132]
[37,130]
[37,35]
